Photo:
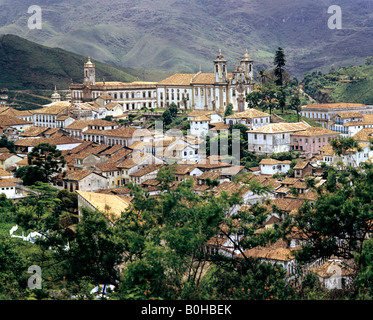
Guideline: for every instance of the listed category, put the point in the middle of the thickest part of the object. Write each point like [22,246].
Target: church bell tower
[220,69]
[89,73]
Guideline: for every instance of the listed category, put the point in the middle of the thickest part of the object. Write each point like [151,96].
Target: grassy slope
[348,84]
[359,90]
[27,65]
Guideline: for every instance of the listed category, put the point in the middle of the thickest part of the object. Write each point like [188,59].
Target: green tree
[281,99]
[342,144]
[228,110]
[279,62]
[295,103]
[173,109]
[167,117]
[270,99]
[29,174]
[368,60]
[254,99]
[339,221]
[13,267]
[5,143]
[48,159]
[364,261]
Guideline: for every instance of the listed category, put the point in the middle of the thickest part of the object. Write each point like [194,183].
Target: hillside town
[107,148]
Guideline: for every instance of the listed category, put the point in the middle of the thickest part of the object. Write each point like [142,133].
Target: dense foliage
[157,248]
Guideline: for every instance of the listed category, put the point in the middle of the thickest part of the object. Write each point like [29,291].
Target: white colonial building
[273,137]
[200,91]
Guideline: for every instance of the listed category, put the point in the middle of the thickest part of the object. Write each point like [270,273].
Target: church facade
[199,91]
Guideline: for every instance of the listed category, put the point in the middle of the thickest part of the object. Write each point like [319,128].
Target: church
[197,91]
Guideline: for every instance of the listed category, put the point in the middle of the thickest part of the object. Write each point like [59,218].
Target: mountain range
[180,35]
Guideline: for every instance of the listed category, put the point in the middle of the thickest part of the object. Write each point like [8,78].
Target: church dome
[246,56]
[89,63]
[55,95]
[220,57]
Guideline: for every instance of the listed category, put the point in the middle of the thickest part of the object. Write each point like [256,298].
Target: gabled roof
[281,127]
[148,169]
[178,79]
[314,132]
[4,173]
[30,142]
[248,114]
[301,165]
[6,120]
[108,167]
[82,124]
[352,114]
[278,251]
[54,108]
[364,135]
[273,162]
[78,175]
[327,269]
[333,106]
[5,156]
[106,203]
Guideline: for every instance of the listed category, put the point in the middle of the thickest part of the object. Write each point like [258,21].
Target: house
[273,137]
[110,205]
[364,135]
[200,121]
[124,136]
[352,157]
[181,152]
[85,161]
[13,122]
[8,160]
[353,127]
[218,127]
[228,173]
[242,190]
[334,274]
[64,121]
[135,162]
[47,116]
[24,146]
[112,173]
[272,166]
[84,180]
[324,113]
[9,185]
[309,141]
[279,253]
[87,111]
[302,169]
[341,119]
[77,128]
[113,109]
[251,118]
[26,115]
[8,188]
[150,172]
[39,132]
